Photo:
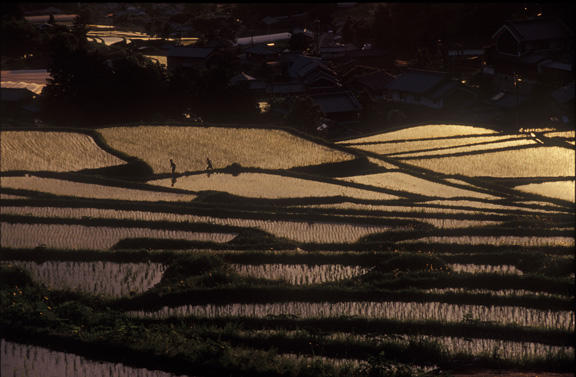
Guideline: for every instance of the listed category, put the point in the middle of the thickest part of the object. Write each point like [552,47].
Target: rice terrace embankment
[429,250]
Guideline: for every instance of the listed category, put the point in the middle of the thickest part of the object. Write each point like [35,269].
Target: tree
[305,113]
[300,42]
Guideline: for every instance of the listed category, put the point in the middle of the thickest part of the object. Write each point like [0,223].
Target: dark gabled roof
[336,102]
[417,81]
[241,77]
[16,94]
[536,29]
[321,75]
[564,94]
[375,81]
[190,52]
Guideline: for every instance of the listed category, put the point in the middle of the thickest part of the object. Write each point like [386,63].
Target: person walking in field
[209,167]
[173,166]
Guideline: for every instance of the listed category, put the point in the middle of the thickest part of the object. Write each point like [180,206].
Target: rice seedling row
[95,278]
[496,241]
[478,347]
[485,268]
[300,274]
[394,310]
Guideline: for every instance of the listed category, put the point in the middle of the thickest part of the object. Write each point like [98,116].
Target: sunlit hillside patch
[259,185]
[568,136]
[61,236]
[96,278]
[441,146]
[533,162]
[431,131]
[404,311]
[564,190]
[299,274]
[189,147]
[162,60]
[33,87]
[89,190]
[35,76]
[496,240]
[301,231]
[52,151]
[27,360]
[402,181]
[504,144]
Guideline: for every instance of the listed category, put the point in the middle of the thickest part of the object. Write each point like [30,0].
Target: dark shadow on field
[136,170]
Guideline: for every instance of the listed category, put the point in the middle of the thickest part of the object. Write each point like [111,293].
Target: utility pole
[517,81]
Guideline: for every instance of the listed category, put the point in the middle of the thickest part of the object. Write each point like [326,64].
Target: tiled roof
[337,102]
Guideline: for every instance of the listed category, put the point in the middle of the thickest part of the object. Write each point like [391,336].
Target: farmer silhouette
[173,166]
[209,167]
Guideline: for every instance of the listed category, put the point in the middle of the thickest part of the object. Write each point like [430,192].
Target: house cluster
[522,60]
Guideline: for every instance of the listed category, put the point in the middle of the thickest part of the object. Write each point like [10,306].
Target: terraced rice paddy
[564,190]
[403,311]
[271,186]
[304,295]
[90,237]
[402,181]
[430,131]
[190,146]
[52,151]
[298,274]
[96,278]
[26,360]
[62,187]
[543,162]
[294,230]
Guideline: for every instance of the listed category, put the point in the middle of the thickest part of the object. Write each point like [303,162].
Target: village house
[341,107]
[189,57]
[430,89]
[373,85]
[526,49]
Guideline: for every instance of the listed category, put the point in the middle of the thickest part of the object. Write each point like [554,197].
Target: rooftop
[337,102]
